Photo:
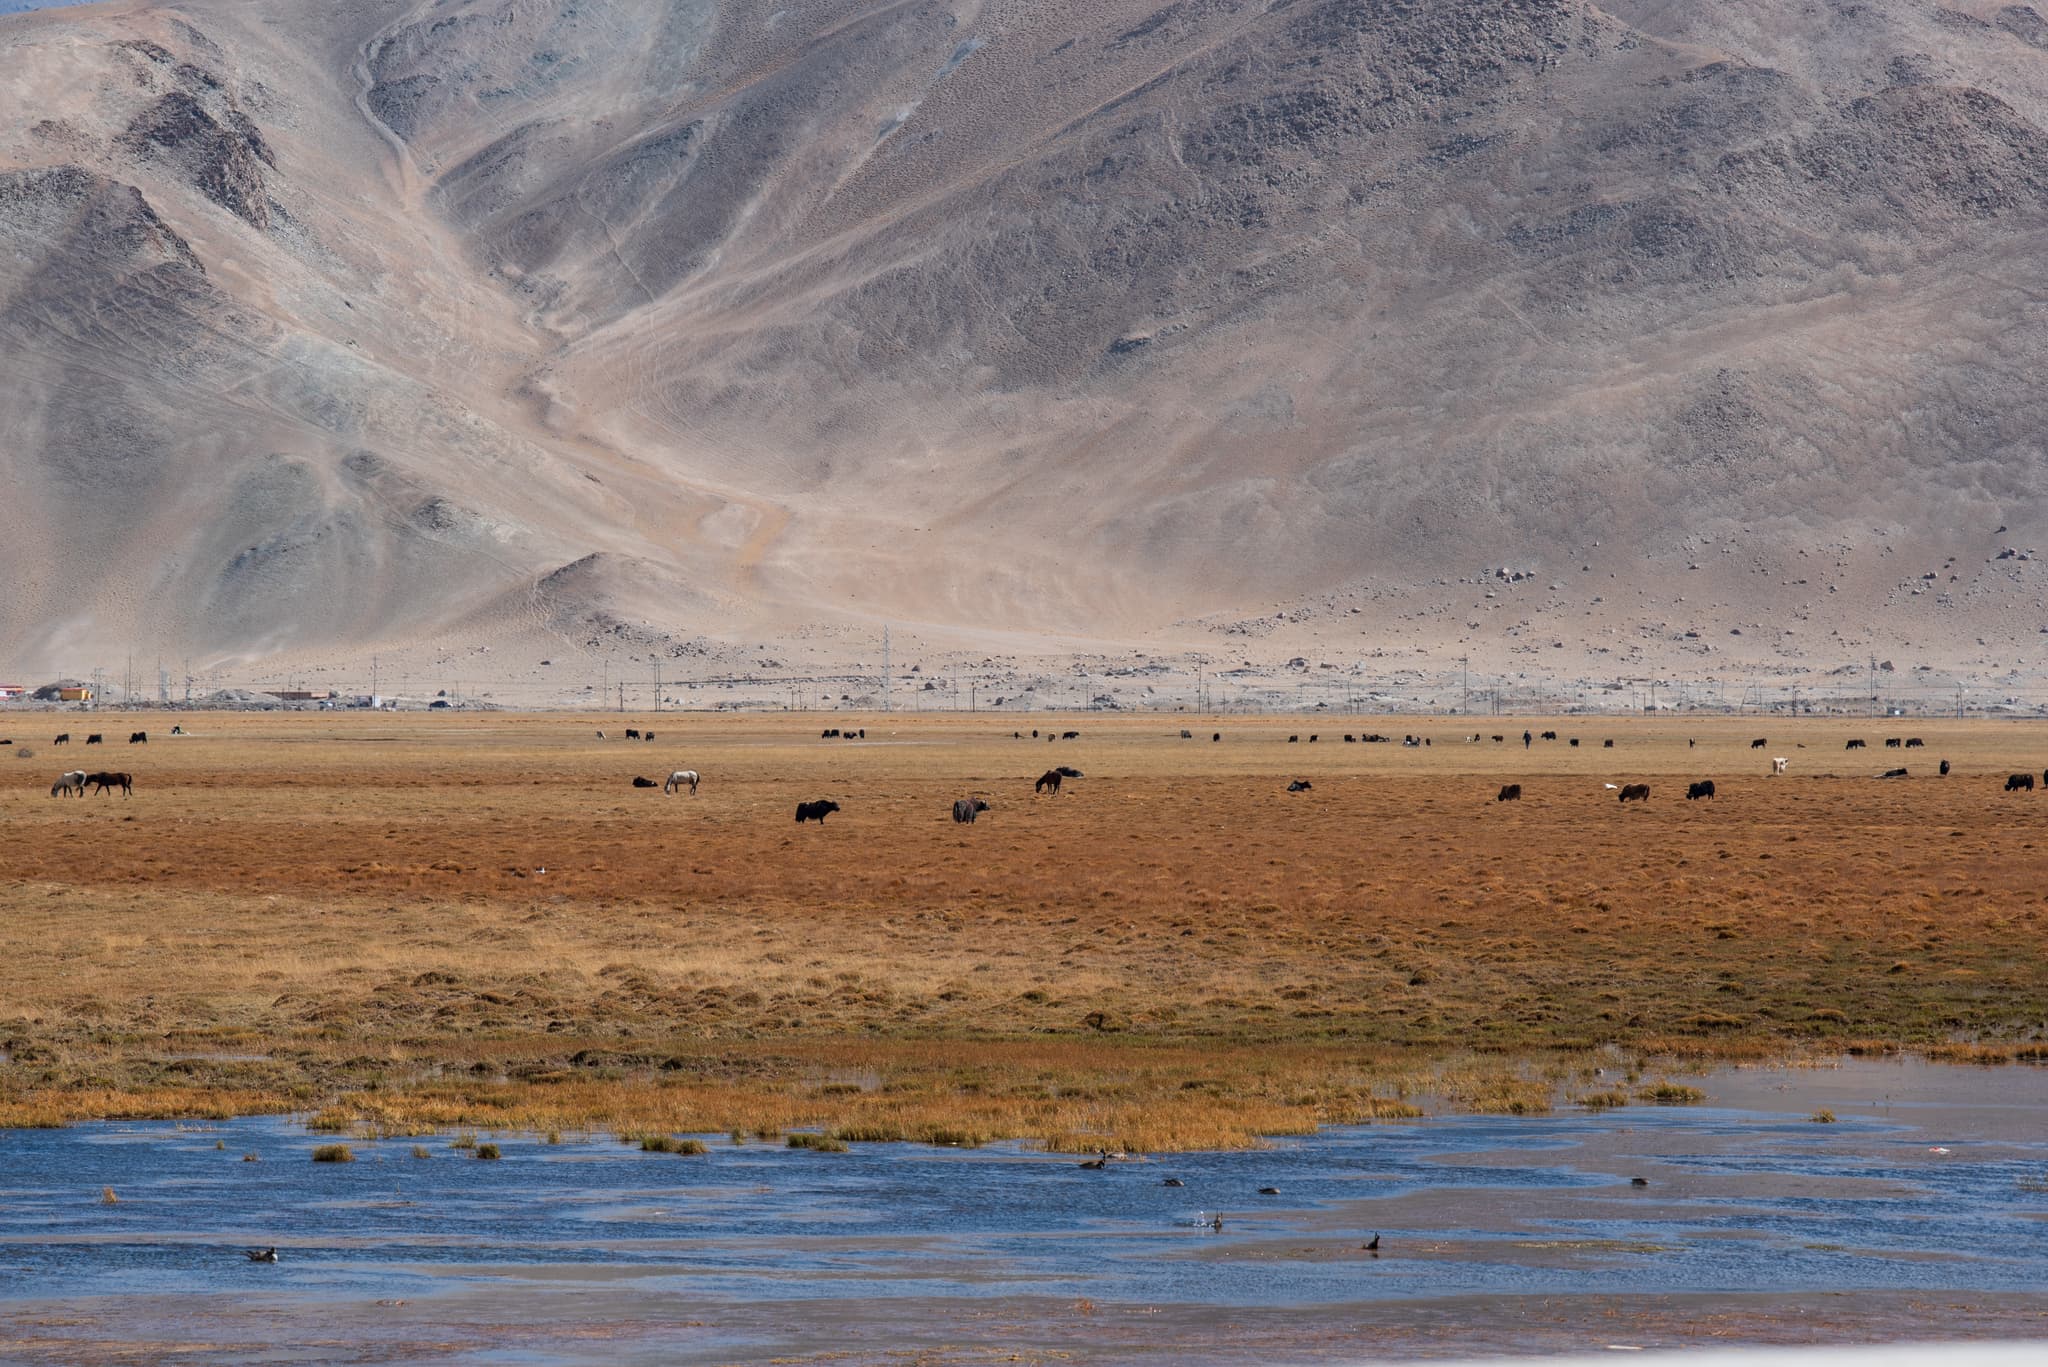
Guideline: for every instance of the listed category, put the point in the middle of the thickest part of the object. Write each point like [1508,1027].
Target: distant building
[12,691]
[300,694]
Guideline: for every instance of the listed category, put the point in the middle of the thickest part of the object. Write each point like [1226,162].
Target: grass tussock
[488,1152]
[665,1143]
[817,1143]
[334,1153]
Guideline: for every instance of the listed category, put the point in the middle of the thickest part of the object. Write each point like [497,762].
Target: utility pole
[657,685]
[622,695]
[1465,683]
[373,681]
[885,669]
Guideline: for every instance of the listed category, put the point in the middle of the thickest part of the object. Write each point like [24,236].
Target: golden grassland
[403,923]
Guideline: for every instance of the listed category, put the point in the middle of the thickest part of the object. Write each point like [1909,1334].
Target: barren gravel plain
[408,922]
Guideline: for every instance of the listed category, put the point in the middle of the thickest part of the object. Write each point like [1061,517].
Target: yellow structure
[80,694]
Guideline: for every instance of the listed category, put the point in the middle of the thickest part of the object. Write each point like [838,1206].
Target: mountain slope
[347,327]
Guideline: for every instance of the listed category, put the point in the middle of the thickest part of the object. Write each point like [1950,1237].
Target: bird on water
[261,1255]
[1374,1246]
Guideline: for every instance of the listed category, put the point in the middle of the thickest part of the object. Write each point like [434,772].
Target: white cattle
[1778,765]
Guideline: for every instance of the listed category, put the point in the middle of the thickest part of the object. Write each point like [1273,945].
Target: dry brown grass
[351,913]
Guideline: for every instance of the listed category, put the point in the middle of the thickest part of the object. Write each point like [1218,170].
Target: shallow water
[758,1248]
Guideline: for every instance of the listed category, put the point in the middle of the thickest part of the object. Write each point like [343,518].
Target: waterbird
[1216,1223]
[1373,1247]
[1639,1181]
[1173,1182]
[261,1255]
[1269,1191]
[1098,1163]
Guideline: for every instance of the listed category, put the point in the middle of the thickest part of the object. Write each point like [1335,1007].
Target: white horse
[681,778]
[72,783]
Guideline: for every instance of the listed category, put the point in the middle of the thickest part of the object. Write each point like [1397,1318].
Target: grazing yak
[681,778]
[1510,792]
[1634,792]
[1189,735]
[1893,742]
[1294,740]
[832,733]
[814,811]
[1759,743]
[64,739]
[1854,745]
[2020,783]
[95,739]
[1606,745]
[639,782]
[1215,736]
[138,738]
[967,808]
[632,733]
[1575,742]
[103,782]
[1704,788]
[1300,785]
[1914,743]
[1944,768]
[1064,735]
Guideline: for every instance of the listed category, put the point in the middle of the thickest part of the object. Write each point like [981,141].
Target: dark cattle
[2019,783]
[1854,745]
[1893,773]
[1759,743]
[1070,735]
[103,782]
[645,783]
[1550,735]
[1635,792]
[1034,734]
[1294,740]
[1311,740]
[1300,785]
[1350,739]
[1606,745]
[967,808]
[1893,742]
[648,736]
[1016,735]
[814,811]
[6,742]
[175,731]
[632,733]
[64,739]
[139,738]
[1216,737]
[829,733]
[1049,779]
[1944,768]
[94,739]
[863,733]
[1511,792]
[1187,735]
[1914,742]
[1575,742]
[1499,739]
[1704,788]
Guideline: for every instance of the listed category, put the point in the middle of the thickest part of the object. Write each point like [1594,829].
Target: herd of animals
[75,782]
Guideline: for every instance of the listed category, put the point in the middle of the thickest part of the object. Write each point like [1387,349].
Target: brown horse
[101,782]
